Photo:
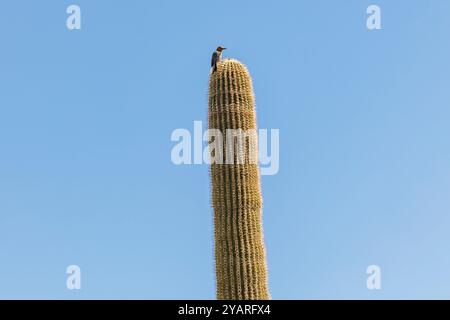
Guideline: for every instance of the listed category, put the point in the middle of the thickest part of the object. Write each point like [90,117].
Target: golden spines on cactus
[241,271]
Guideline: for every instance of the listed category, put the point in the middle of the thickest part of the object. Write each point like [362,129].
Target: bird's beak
[223,48]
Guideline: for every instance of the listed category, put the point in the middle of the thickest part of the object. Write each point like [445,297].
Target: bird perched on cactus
[241,268]
[216,57]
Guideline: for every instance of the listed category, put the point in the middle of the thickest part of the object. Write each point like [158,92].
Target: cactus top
[231,86]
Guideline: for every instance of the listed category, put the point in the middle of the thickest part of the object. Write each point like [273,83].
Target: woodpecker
[216,57]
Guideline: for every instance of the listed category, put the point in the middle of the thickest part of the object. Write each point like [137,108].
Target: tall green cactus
[241,271]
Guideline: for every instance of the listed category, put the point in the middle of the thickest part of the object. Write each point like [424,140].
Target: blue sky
[86,117]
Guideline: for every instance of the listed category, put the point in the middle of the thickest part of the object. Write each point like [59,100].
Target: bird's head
[220,49]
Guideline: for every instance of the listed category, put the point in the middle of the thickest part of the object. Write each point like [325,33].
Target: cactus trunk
[241,271]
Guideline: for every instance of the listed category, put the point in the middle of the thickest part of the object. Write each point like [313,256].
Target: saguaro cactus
[241,271]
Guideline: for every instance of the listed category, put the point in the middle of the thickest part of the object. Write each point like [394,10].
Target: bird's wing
[214,59]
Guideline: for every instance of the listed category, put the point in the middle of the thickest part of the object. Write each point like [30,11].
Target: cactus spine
[241,272]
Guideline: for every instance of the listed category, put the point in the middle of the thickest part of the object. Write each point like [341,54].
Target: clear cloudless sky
[86,117]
